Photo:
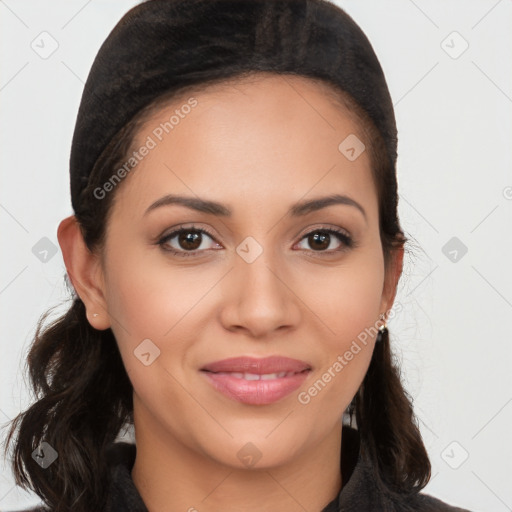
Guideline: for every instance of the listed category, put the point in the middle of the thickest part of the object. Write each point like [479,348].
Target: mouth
[257,376]
[246,365]
[257,381]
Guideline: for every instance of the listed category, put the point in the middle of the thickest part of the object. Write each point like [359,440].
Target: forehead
[261,140]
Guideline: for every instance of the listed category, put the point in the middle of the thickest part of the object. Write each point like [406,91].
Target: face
[267,279]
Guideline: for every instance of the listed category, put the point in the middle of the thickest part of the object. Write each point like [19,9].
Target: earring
[95,314]
[382,330]
[351,409]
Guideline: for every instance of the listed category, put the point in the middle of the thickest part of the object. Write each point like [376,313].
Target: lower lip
[255,392]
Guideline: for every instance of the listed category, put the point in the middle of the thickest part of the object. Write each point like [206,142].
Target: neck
[173,477]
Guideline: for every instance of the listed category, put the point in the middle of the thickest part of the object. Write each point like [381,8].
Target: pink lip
[256,392]
[273,364]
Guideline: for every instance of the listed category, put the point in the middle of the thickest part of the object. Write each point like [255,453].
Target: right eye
[188,241]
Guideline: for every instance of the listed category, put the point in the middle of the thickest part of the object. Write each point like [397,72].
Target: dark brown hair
[83,394]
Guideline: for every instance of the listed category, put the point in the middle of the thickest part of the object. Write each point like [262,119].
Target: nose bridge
[262,301]
[257,265]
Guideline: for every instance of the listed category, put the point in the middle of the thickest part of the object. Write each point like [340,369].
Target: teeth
[237,375]
[255,376]
[268,376]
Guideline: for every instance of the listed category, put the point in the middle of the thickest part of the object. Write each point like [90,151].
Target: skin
[258,146]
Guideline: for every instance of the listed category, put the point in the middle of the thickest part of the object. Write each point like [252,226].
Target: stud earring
[95,314]
[382,330]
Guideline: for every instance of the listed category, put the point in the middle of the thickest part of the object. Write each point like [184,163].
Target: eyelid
[322,227]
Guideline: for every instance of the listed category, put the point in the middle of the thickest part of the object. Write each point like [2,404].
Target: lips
[258,366]
[256,381]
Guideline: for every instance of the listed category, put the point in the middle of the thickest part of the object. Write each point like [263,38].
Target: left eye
[322,238]
[191,241]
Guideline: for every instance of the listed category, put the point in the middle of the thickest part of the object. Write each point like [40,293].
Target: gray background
[453,108]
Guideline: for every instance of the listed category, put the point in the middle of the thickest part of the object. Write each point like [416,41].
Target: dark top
[359,492]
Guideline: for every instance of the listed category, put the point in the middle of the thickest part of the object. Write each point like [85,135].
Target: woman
[234,255]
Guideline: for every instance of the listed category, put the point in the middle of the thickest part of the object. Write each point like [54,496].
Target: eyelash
[342,236]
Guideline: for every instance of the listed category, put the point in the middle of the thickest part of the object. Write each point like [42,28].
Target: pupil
[322,237]
[189,240]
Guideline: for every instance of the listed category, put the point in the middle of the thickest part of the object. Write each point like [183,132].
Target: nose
[259,298]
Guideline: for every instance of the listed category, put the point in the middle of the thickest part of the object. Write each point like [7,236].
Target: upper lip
[258,366]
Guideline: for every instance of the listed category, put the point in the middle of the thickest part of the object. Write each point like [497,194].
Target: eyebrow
[298,209]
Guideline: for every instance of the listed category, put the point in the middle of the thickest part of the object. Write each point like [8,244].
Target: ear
[85,272]
[392,275]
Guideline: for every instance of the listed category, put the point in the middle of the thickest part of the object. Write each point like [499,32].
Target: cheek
[346,303]
[348,309]
[151,302]
[149,297]
[346,299]
[165,303]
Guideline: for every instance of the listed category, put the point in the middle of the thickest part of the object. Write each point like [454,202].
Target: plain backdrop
[449,70]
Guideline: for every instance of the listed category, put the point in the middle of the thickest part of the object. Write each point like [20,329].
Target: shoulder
[429,503]
[38,508]
[380,496]
[420,502]
[364,491]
